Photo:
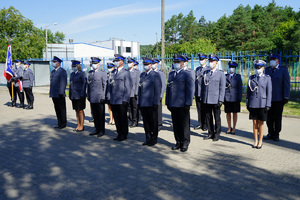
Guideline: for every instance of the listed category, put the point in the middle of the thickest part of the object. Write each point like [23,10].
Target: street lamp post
[54,24]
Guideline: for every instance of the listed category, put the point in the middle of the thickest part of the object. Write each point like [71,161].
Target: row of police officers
[127,91]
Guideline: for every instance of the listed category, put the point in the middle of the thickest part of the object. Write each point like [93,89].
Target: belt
[26,79]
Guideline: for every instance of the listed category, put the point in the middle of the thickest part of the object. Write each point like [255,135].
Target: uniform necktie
[211,72]
[273,70]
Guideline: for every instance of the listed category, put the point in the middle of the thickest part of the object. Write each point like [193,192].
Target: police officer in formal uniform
[280,95]
[96,90]
[198,85]
[10,85]
[120,96]
[17,89]
[58,83]
[77,93]
[163,87]
[132,107]
[28,84]
[110,75]
[259,95]
[179,98]
[212,95]
[148,100]
[233,96]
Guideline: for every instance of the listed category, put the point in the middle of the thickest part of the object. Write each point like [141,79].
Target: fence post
[192,61]
[281,57]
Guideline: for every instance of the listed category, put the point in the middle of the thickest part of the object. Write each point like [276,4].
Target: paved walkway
[38,162]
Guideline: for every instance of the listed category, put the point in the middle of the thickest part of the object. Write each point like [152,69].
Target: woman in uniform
[233,96]
[110,73]
[259,95]
[77,93]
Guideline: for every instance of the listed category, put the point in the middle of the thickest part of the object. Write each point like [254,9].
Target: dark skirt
[78,104]
[258,114]
[232,107]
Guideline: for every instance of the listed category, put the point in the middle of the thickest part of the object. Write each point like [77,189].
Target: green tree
[189,28]
[57,37]
[172,29]
[26,39]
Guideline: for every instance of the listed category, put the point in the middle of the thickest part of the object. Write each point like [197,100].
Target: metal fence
[289,58]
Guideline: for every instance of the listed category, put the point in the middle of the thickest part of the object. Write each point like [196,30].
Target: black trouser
[133,110]
[29,95]
[98,112]
[181,125]
[20,94]
[160,114]
[275,117]
[120,115]
[201,112]
[60,110]
[150,122]
[210,110]
[9,89]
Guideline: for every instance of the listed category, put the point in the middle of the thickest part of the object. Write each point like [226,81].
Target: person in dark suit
[17,88]
[258,102]
[280,95]
[110,75]
[212,95]
[77,93]
[233,96]
[120,96]
[96,90]
[132,106]
[179,98]
[163,88]
[148,100]
[198,85]
[27,79]
[58,83]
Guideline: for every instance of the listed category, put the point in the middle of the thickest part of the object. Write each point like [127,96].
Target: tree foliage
[258,28]
[27,41]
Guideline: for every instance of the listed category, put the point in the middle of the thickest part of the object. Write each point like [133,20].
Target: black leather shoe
[183,149]
[94,133]
[176,147]
[204,128]
[268,137]
[61,127]
[29,107]
[151,144]
[79,130]
[216,139]
[57,126]
[276,138]
[20,106]
[116,138]
[91,120]
[145,143]
[259,147]
[121,139]
[208,138]
[134,125]
[12,104]
[100,134]
[198,127]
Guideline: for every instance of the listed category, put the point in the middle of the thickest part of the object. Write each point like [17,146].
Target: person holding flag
[18,86]
[8,74]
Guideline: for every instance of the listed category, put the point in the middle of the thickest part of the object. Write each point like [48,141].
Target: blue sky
[133,20]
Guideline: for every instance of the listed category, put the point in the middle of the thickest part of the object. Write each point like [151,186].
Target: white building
[120,46]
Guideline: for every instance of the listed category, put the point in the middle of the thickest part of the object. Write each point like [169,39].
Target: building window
[128,49]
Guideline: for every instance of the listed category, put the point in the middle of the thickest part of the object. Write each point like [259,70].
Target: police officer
[17,83]
[280,95]
[110,75]
[163,87]
[179,98]
[233,96]
[212,94]
[96,89]
[198,85]
[148,100]
[132,107]
[120,96]
[77,93]
[10,86]
[259,95]
[58,83]
[27,85]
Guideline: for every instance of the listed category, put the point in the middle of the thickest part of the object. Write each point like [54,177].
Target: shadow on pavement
[39,163]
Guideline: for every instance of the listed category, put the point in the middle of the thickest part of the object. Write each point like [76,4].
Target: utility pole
[162,33]
[156,45]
